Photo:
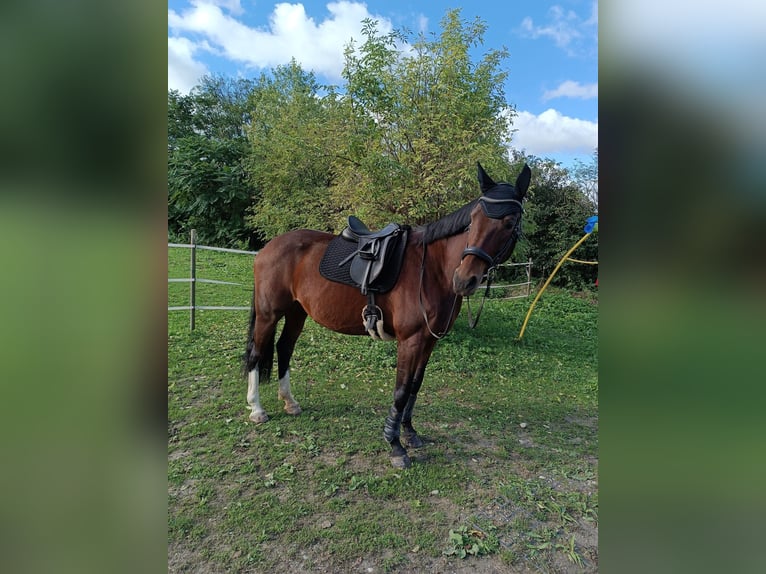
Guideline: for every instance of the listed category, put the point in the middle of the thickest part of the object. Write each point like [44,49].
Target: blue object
[592,224]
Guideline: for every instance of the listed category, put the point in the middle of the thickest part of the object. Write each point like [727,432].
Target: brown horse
[444,261]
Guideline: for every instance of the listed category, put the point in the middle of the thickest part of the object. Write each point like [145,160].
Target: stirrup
[372,319]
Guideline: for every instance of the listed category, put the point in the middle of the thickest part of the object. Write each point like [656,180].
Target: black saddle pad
[340,249]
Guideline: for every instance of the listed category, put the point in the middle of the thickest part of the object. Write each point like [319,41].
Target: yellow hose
[581,261]
[540,292]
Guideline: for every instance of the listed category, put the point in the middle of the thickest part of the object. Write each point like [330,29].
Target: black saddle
[369,260]
[357,230]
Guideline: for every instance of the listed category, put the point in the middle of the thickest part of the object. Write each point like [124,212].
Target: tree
[585,176]
[417,122]
[208,188]
[399,142]
[291,150]
[557,210]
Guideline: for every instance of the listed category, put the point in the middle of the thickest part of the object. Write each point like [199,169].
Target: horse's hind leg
[257,414]
[259,362]
[294,321]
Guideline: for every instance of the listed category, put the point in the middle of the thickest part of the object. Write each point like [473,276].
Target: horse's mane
[449,225]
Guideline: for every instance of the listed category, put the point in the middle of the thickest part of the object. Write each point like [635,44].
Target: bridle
[493,209]
[502,254]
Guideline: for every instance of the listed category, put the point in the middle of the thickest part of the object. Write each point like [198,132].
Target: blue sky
[552,63]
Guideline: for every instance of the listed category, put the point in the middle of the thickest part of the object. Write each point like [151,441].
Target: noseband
[494,210]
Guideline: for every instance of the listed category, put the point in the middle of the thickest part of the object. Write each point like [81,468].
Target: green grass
[317,490]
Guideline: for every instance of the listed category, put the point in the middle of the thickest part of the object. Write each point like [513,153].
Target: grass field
[507,480]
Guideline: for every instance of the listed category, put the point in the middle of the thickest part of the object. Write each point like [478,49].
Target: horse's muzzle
[465,286]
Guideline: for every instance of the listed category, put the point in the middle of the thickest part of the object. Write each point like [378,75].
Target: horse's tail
[263,358]
[250,359]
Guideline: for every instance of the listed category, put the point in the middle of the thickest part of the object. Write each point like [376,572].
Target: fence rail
[527,283]
[198,280]
[206,308]
[192,307]
[225,249]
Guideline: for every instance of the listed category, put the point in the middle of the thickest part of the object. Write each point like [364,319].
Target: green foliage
[289,159]
[556,212]
[418,123]
[585,176]
[464,542]
[208,188]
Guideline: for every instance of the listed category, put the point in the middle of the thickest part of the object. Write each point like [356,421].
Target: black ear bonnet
[499,201]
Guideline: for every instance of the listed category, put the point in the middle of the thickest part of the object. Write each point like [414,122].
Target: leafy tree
[400,141]
[585,176]
[417,121]
[209,190]
[180,118]
[208,187]
[557,210]
[290,151]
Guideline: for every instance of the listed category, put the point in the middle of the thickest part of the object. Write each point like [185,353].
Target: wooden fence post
[529,276]
[193,289]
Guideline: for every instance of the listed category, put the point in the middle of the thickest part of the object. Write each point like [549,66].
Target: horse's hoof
[402,461]
[293,409]
[259,418]
[412,441]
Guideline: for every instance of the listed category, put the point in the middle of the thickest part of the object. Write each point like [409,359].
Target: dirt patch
[588,422]
[182,559]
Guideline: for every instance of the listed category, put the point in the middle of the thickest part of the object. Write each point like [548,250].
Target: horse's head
[495,227]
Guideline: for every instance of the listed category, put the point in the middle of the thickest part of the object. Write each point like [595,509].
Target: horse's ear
[485,182]
[522,182]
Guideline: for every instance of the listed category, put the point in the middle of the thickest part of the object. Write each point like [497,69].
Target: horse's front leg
[399,457]
[412,357]
[409,435]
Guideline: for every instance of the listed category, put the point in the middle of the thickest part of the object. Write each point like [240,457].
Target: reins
[473,322]
[420,299]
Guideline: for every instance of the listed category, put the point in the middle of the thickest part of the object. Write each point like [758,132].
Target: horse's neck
[445,256]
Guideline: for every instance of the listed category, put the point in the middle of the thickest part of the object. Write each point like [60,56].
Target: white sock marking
[253,397]
[291,405]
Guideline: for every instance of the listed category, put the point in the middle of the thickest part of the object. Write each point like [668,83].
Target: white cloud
[562,28]
[568,31]
[422,24]
[291,33]
[233,6]
[183,70]
[553,133]
[570,89]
